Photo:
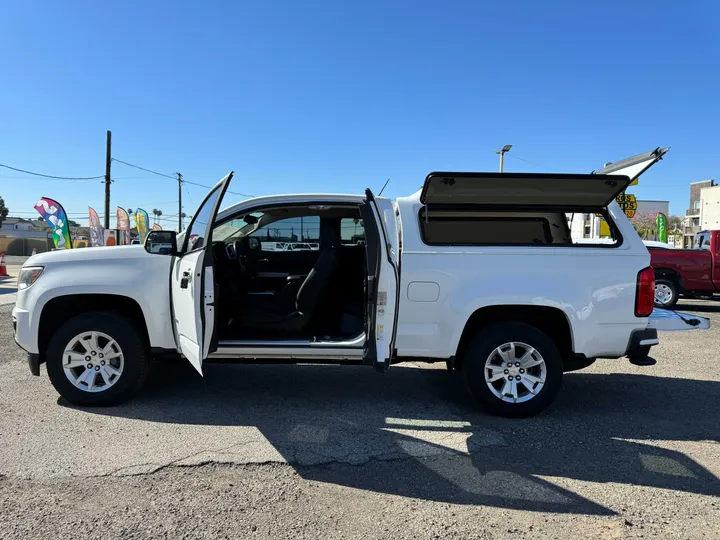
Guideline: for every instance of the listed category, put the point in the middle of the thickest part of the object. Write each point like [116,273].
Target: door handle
[185,280]
[264,260]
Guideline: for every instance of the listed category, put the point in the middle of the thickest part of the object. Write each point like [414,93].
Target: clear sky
[336,96]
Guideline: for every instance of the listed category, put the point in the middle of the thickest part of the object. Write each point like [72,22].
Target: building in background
[692,214]
[710,208]
[16,224]
[653,207]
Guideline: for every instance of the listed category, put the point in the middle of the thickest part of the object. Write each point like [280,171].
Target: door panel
[383,283]
[192,284]
[272,268]
[187,293]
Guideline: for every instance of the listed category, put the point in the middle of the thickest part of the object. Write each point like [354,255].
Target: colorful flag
[54,214]
[97,235]
[156,227]
[661,222]
[141,223]
[122,224]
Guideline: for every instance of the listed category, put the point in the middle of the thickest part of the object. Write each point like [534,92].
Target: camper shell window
[556,227]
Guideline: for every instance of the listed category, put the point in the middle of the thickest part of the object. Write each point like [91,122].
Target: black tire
[136,357]
[673,291]
[485,342]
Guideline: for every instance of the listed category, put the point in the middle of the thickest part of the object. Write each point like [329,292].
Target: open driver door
[383,280]
[192,284]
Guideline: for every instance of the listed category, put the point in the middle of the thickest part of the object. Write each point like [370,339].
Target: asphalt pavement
[342,452]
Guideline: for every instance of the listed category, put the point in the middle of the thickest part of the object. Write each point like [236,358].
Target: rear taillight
[645,295]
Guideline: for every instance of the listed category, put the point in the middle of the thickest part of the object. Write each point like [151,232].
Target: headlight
[28,276]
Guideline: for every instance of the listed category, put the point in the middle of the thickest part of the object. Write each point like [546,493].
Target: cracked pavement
[340,451]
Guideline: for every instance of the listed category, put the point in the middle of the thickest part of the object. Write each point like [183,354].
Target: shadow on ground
[708,306]
[341,416]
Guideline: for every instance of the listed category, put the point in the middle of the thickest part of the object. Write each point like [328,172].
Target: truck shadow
[707,306]
[417,434]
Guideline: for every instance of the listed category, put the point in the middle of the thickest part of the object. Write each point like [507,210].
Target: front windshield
[235,228]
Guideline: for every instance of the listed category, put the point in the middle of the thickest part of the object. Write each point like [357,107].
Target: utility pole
[108,163]
[502,151]
[179,202]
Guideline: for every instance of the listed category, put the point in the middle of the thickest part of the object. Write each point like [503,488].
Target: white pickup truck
[476,270]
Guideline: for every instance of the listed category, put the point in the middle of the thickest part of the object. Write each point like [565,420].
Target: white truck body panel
[594,287]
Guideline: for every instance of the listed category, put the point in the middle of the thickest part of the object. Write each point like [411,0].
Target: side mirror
[254,244]
[161,242]
[250,219]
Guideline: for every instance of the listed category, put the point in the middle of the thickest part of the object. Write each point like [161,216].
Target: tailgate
[664,320]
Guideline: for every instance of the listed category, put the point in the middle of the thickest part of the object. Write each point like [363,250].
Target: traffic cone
[34,252]
[3,268]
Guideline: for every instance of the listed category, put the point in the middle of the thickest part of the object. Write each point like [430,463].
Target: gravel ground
[341,452]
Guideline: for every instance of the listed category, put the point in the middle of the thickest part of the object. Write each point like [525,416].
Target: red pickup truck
[687,271]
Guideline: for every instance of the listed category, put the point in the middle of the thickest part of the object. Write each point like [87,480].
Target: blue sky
[336,96]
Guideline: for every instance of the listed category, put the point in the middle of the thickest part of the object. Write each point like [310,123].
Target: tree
[3,211]
[644,223]
[675,224]
[72,223]
[157,214]
[130,211]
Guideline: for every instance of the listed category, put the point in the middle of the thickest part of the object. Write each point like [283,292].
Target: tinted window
[534,228]
[352,231]
[295,234]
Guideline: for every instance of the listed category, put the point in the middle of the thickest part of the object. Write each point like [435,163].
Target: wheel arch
[62,308]
[549,320]
[672,275]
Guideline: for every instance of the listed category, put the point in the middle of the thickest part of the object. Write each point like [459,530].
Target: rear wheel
[97,358]
[666,293]
[512,369]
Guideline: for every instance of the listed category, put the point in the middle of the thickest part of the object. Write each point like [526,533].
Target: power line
[51,176]
[175,178]
[143,168]
[528,162]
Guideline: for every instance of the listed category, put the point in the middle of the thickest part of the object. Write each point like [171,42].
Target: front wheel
[97,358]
[666,294]
[513,369]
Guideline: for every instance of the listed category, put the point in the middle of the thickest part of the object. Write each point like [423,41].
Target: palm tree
[157,214]
[130,211]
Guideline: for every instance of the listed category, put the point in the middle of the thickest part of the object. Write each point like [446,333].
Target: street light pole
[502,151]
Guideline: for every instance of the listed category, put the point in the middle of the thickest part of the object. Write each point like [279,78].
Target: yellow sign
[604,229]
[628,203]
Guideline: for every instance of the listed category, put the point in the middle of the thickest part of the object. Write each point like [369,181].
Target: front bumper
[22,328]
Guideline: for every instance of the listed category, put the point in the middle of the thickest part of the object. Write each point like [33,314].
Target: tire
[482,348]
[132,364]
[670,293]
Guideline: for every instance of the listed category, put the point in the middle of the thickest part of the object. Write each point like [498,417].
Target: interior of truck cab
[290,273]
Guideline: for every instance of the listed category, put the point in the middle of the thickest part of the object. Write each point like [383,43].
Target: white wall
[710,208]
[653,206]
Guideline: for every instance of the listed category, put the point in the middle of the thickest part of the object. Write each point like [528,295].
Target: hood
[87,254]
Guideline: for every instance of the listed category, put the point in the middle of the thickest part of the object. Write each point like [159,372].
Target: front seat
[274,313]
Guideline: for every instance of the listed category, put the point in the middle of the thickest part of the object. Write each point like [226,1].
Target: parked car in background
[300,246]
[657,245]
[692,272]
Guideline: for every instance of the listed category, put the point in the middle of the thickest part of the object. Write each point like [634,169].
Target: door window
[352,231]
[293,234]
[198,229]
